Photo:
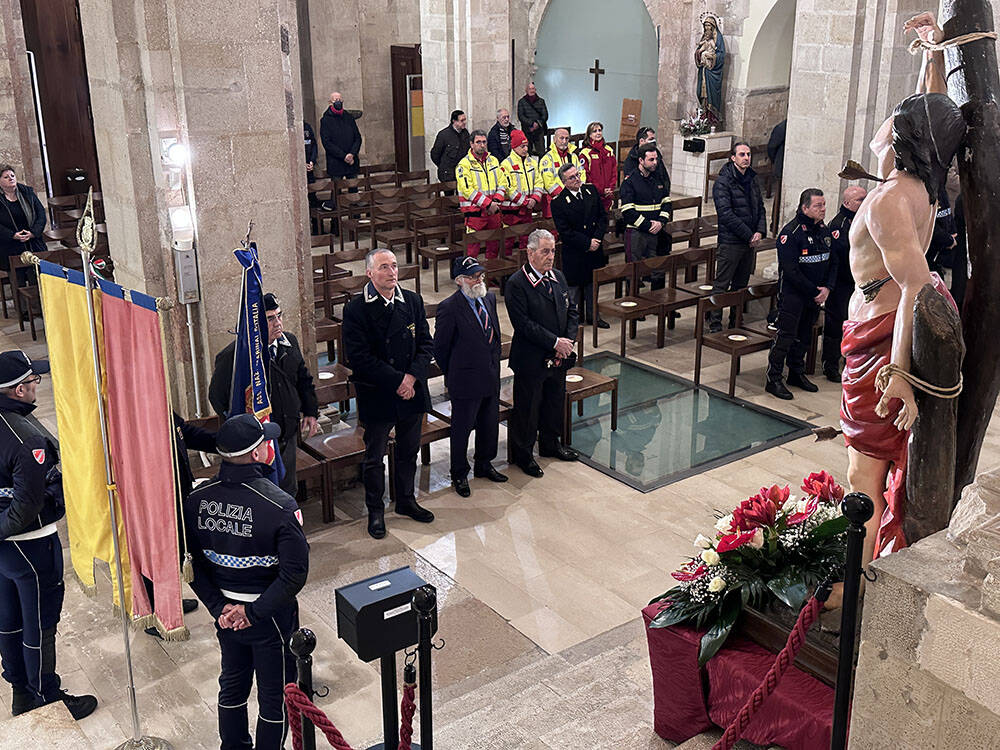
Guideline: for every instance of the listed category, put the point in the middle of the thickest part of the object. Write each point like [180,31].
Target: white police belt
[47,530]
[238,596]
[821,258]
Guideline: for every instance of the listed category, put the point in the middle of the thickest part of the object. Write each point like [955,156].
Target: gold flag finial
[85,227]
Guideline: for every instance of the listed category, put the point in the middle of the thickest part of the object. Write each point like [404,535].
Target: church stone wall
[19,144]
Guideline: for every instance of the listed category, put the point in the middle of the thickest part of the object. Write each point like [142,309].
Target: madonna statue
[710,57]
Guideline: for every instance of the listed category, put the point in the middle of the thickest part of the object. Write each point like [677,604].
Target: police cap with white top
[241,434]
[15,366]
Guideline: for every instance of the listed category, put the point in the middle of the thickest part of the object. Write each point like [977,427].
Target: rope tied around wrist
[919,44]
[887,371]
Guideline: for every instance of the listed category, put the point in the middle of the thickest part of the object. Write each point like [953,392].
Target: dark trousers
[834,315]
[481,415]
[796,316]
[260,651]
[288,447]
[539,397]
[639,245]
[404,467]
[31,597]
[587,290]
[733,266]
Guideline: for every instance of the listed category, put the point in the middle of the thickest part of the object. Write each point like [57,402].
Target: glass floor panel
[668,429]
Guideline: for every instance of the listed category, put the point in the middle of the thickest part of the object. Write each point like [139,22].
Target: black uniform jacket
[643,200]
[312,150]
[470,362]
[30,486]
[189,437]
[578,221]
[632,165]
[289,383]
[382,344]
[840,229]
[805,257]
[245,537]
[538,316]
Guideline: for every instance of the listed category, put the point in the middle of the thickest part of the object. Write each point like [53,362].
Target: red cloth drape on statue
[867,347]
[140,434]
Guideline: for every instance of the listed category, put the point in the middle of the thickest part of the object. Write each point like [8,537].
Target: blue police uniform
[248,549]
[806,262]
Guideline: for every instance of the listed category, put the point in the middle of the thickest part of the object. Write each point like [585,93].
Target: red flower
[823,486]
[811,505]
[734,541]
[761,509]
[687,573]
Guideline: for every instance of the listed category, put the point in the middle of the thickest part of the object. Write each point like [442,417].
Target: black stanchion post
[302,644]
[390,711]
[425,602]
[858,508]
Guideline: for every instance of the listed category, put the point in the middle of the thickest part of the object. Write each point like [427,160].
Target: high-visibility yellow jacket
[522,180]
[479,182]
[549,165]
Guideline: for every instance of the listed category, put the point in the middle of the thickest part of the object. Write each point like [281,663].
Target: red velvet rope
[406,709]
[783,661]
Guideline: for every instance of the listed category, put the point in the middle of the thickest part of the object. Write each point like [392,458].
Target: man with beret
[31,558]
[467,349]
[294,407]
[388,347]
[250,561]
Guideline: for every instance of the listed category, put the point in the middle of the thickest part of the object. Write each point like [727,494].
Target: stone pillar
[19,144]
[230,96]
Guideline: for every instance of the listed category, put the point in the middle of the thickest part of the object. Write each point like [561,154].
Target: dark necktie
[484,319]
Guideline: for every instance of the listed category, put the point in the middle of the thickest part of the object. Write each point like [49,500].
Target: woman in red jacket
[600,164]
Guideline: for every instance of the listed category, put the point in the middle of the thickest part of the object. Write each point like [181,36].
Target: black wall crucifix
[598,71]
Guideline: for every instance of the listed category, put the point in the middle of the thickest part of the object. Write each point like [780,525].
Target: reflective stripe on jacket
[522,180]
[549,165]
[479,183]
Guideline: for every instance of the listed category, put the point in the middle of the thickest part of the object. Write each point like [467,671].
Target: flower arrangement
[699,123]
[772,546]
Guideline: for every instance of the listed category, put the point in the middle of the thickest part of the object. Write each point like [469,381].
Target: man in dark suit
[581,223]
[467,349]
[545,323]
[388,347]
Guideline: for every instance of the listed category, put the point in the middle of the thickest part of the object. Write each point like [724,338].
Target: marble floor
[540,585]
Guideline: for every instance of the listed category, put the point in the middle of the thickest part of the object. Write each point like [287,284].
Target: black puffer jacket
[740,206]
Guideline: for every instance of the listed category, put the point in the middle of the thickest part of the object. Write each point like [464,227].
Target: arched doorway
[572,34]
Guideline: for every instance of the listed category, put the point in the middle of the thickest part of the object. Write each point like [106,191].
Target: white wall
[574,32]
[770,62]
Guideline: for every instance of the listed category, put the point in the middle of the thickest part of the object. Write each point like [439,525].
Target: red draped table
[688,700]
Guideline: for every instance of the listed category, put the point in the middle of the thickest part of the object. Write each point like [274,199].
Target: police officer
[808,273]
[31,561]
[250,560]
[835,310]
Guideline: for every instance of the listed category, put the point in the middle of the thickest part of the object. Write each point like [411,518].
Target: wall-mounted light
[174,153]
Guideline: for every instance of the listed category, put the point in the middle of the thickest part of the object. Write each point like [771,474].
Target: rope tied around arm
[887,371]
[919,44]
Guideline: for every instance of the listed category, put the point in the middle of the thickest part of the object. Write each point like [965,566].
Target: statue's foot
[836,598]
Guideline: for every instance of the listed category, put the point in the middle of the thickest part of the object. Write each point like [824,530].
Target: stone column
[220,79]
[19,144]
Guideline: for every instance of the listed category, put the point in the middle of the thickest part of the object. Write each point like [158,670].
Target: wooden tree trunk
[974,84]
[930,466]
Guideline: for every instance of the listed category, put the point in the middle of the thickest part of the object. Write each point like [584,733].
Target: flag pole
[85,239]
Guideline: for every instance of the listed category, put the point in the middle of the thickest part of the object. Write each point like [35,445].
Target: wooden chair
[25,294]
[590,383]
[389,223]
[58,205]
[769,291]
[736,342]
[435,241]
[381,179]
[419,177]
[670,299]
[370,169]
[65,236]
[499,268]
[353,215]
[322,192]
[691,261]
[625,308]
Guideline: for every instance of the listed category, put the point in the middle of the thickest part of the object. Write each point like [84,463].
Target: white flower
[703,541]
[716,585]
[758,539]
[724,524]
[802,505]
[710,557]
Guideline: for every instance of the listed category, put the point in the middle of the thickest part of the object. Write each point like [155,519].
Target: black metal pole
[858,508]
[302,644]
[425,602]
[390,711]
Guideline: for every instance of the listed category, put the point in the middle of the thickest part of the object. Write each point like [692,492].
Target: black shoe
[417,513]
[532,469]
[151,630]
[561,452]
[601,323]
[461,487]
[80,706]
[22,701]
[777,388]
[832,375]
[489,473]
[376,525]
[798,380]
[189,605]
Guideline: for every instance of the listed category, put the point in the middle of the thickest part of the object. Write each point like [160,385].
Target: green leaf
[833,527]
[790,588]
[672,615]
[716,636]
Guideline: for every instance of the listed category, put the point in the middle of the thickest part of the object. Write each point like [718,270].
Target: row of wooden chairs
[66,210]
